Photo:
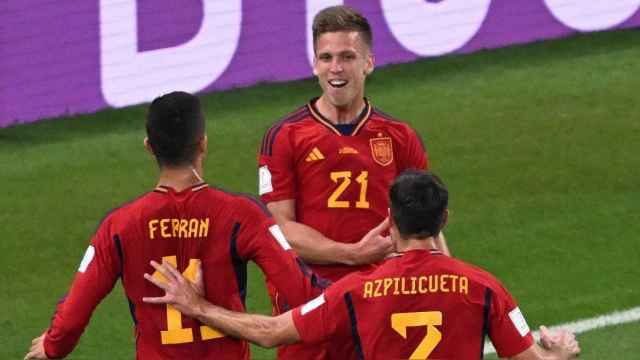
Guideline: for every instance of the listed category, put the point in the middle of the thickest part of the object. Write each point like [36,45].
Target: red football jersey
[221,230]
[421,304]
[340,183]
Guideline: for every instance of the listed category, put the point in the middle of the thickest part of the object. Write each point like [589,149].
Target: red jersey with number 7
[419,305]
[339,178]
[199,224]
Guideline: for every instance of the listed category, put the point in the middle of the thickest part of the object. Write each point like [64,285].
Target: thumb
[546,338]
[383,225]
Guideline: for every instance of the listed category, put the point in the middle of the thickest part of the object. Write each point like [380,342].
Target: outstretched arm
[315,248]
[265,331]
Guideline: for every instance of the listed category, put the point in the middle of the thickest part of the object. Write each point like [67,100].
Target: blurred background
[529,111]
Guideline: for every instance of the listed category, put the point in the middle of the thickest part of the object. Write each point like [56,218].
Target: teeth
[338,83]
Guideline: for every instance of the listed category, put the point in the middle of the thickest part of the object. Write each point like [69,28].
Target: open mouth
[338,83]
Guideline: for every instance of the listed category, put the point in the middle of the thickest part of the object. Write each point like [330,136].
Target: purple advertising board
[76,56]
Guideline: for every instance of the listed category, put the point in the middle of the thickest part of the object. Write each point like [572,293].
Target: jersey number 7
[175,333]
[401,321]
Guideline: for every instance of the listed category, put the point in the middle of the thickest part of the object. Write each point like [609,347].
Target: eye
[324,57]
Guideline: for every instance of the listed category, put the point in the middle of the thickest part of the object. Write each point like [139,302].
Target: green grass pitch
[539,145]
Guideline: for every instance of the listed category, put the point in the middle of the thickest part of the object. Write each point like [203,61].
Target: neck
[180,177]
[346,114]
[403,245]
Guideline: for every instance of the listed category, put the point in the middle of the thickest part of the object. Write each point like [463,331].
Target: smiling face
[342,62]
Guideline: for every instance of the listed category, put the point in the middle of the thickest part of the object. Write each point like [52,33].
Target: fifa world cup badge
[382,150]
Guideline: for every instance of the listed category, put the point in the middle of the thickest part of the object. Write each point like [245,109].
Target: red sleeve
[95,278]
[276,169]
[262,241]
[414,155]
[508,330]
[323,317]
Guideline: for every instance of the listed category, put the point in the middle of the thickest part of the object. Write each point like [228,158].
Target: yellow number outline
[401,321]
[175,333]
[345,177]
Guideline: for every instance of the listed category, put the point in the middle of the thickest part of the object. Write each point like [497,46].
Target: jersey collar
[360,120]
[168,189]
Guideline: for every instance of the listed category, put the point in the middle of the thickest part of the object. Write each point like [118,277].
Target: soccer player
[419,304]
[182,222]
[325,169]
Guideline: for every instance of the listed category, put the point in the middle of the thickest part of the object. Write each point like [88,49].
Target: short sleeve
[323,317]
[261,240]
[276,169]
[508,329]
[414,155]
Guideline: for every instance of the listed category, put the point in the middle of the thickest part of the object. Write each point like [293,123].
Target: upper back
[423,305]
[182,228]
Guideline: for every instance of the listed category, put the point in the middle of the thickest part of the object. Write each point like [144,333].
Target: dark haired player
[419,304]
[182,222]
[325,169]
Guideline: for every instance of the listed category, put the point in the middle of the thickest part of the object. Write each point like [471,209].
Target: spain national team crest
[382,150]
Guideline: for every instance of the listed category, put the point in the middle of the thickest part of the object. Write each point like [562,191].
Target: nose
[336,65]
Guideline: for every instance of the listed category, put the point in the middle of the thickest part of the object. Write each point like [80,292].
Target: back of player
[183,228]
[198,224]
[422,305]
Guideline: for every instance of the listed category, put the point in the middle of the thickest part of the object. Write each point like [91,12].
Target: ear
[147,146]
[370,65]
[203,145]
[445,219]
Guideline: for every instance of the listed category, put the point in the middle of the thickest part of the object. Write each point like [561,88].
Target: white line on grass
[584,325]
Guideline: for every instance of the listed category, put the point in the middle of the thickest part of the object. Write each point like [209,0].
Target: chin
[340,101]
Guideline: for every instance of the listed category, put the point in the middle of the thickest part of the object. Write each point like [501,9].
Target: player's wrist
[350,254]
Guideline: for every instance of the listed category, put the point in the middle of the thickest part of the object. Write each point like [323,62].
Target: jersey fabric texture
[340,182]
[221,230]
[421,304]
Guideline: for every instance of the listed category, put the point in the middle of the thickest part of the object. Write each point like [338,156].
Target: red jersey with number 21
[340,183]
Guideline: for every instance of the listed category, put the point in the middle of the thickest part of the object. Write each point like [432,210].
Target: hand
[183,295]
[563,343]
[37,349]
[373,246]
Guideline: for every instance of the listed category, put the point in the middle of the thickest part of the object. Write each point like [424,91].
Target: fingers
[161,284]
[174,272]
[383,225]
[544,331]
[36,340]
[156,300]
[37,349]
[164,269]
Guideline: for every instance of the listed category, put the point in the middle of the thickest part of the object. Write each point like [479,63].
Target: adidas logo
[314,155]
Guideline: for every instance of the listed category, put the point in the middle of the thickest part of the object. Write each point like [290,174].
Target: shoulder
[125,211]
[242,203]
[391,124]
[479,275]
[283,125]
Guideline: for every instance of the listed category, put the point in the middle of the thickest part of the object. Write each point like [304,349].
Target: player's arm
[559,346]
[263,242]
[277,188]
[95,278]
[266,331]
[316,248]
